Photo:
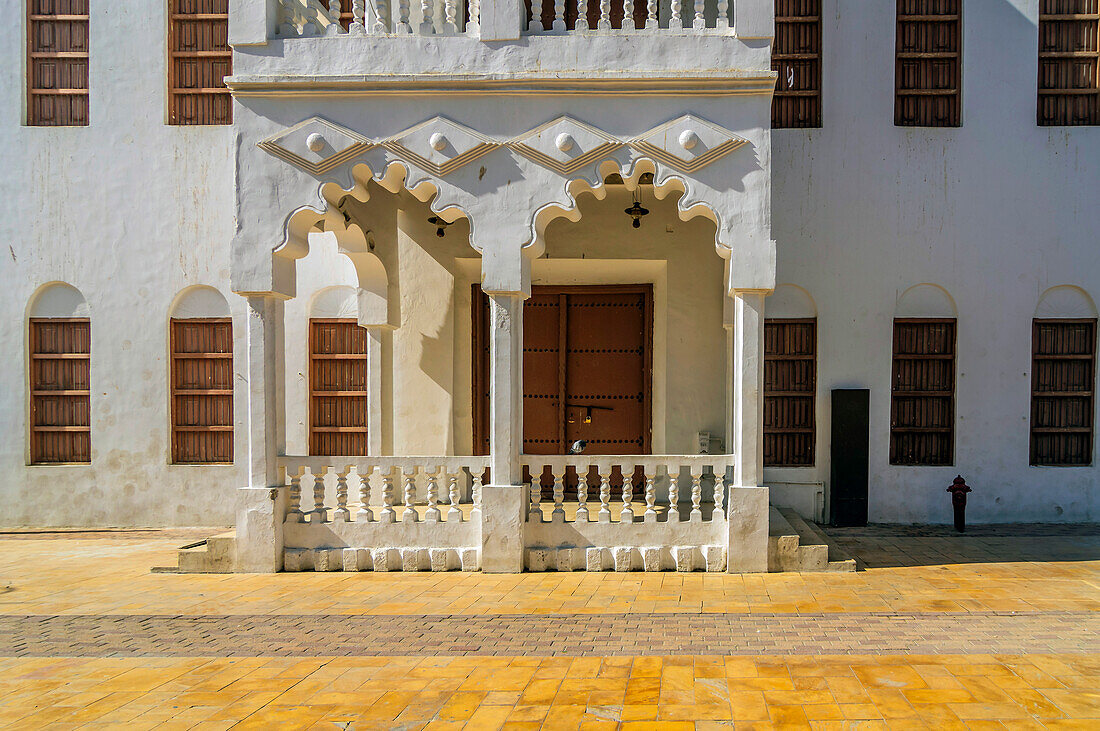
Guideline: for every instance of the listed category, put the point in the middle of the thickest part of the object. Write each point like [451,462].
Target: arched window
[59,340]
[790,378]
[922,399]
[1063,378]
[201,378]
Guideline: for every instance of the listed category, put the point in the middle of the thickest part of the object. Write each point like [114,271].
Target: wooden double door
[587,370]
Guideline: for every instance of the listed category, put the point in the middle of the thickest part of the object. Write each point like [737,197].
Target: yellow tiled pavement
[941,692]
[111,576]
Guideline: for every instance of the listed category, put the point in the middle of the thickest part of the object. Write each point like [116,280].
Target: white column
[506,386]
[747,550]
[262,503]
[375,396]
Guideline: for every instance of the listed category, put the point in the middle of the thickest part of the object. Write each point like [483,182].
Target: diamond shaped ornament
[439,145]
[565,145]
[317,145]
[688,143]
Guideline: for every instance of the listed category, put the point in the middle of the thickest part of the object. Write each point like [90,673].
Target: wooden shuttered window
[57,62]
[928,67]
[796,56]
[338,387]
[199,59]
[922,403]
[60,376]
[1069,62]
[790,390]
[202,391]
[1063,383]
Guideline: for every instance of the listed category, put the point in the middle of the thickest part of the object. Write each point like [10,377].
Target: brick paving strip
[549,635]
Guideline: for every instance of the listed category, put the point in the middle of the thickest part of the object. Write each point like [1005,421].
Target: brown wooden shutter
[790,390]
[1069,62]
[60,379]
[338,387]
[1063,378]
[922,404]
[928,68]
[199,59]
[202,391]
[57,62]
[796,56]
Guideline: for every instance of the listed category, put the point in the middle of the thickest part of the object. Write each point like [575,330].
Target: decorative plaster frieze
[687,143]
[565,145]
[439,145]
[317,145]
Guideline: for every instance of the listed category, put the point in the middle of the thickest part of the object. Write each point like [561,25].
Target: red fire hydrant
[958,490]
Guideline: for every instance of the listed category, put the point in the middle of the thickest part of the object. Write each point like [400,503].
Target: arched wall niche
[338,301]
[58,299]
[199,301]
[789,301]
[1065,302]
[925,300]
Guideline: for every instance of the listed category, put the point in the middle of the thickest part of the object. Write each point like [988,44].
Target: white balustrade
[451,474]
[641,473]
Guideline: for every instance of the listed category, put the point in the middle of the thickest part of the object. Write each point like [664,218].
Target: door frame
[480,358]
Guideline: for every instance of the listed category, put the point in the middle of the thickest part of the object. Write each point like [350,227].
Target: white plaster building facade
[528,145]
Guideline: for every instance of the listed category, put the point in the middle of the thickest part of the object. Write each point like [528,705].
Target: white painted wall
[130,211]
[995,212]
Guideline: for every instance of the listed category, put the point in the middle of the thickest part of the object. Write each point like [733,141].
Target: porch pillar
[375,394]
[262,504]
[504,501]
[748,500]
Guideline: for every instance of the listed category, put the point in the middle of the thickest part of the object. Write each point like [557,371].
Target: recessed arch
[926,300]
[199,301]
[789,301]
[58,299]
[1065,301]
[337,301]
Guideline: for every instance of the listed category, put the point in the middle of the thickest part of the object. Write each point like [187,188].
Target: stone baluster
[342,515]
[427,19]
[582,496]
[719,493]
[358,18]
[433,515]
[675,20]
[651,21]
[409,514]
[558,516]
[294,513]
[650,495]
[387,515]
[364,514]
[674,493]
[473,26]
[476,478]
[628,14]
[605,495]
[627,514]
[605,15]
[696,494]
[319,514]
[534,25]
[454,513]
[700,18]
[723,22]
[582,15]
[536,498]
[402,26]
[334,27]
[450,12]
[559,16]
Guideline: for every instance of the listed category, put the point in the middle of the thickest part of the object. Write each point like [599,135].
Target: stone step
[217,556]
[827,555]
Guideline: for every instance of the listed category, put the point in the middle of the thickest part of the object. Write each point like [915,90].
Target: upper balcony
[667,46]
